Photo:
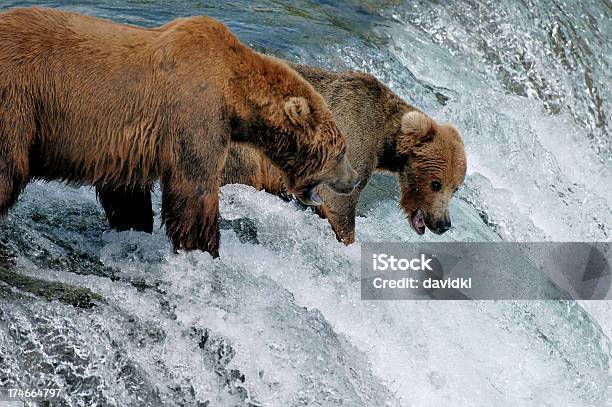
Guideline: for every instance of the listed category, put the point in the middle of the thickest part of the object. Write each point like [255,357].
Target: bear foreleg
[340,213]
[190,190]
[12,182]
[191,215]
[16,135]
[340,210]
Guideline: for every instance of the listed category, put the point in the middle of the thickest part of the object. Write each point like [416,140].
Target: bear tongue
[418,222]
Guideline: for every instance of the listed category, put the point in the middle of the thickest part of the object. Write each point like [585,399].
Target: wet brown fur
[85,100]
[383,133]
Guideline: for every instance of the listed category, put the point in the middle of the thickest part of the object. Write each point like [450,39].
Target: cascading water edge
[278,320]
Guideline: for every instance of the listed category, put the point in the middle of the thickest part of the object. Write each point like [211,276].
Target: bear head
[434,166]
[310,151]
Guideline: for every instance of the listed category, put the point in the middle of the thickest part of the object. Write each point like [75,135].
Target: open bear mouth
[417,221]
[311,196]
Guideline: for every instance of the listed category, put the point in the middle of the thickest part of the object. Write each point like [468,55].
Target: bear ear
[418,124]
[297,111]
[417,129]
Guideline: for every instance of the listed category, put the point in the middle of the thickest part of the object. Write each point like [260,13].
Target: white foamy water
[278,320]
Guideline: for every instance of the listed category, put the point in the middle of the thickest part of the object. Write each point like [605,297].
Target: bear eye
[436,185]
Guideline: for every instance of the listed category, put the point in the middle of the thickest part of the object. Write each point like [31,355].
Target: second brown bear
[383,133]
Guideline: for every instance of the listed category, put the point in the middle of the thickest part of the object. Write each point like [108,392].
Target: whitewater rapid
[278,320]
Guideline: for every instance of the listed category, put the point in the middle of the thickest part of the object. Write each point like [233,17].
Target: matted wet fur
[84,100]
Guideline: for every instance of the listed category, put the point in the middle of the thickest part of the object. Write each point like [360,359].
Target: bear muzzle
[345,179]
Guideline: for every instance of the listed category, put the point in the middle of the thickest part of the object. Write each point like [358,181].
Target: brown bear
[85,100]
[383,133]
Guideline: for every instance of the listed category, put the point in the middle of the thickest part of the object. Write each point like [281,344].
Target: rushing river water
[119,320]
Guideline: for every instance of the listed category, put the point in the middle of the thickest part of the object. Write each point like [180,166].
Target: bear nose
[443,225]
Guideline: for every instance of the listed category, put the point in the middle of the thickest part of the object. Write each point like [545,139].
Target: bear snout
[346,179]
[442,226]
[438,225]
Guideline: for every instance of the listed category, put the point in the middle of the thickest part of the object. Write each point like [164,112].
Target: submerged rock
[52,291]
